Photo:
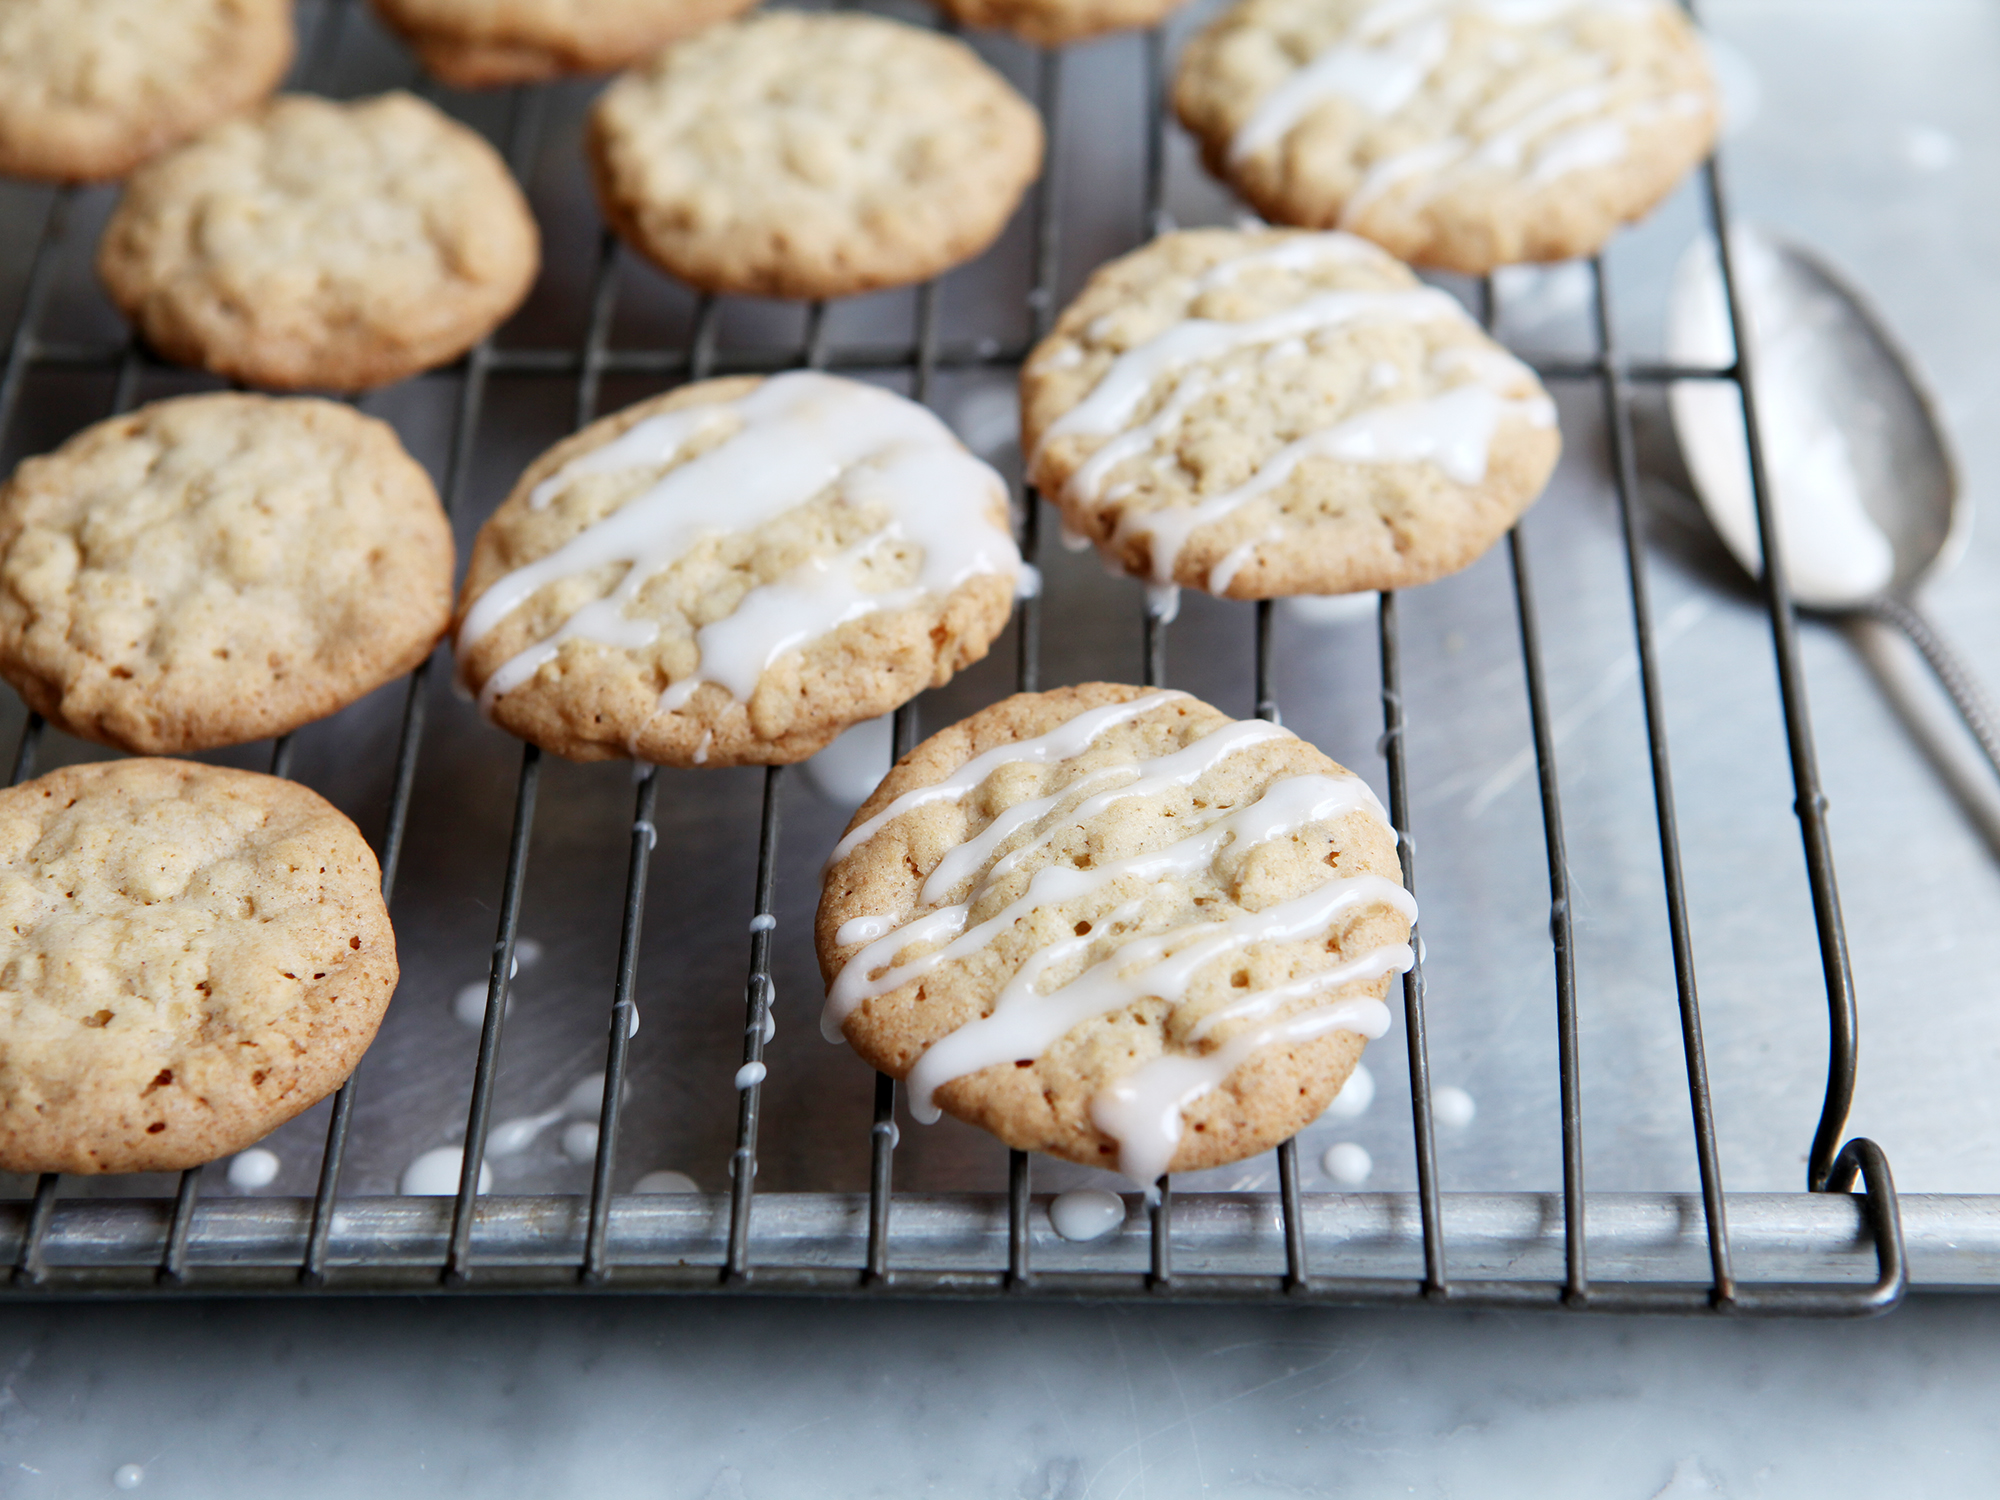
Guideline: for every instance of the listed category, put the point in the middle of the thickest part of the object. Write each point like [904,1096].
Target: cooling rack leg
[1810,803]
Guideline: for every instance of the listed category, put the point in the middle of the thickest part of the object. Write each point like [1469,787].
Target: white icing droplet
[469,1004]
[1029,584]
[579,1140]
[511,1137]
[763,922]
[1354,1097]
[1929,149]
[435,1174]
[586,1097]
[989,419]
[1347,1163]
[632,1022]
[1085,1214]
[1163,602]
[1452,1108]
[128,1476]
[665,1182]
[253,1169]
[847,770]
[1332,609]
[749,1075]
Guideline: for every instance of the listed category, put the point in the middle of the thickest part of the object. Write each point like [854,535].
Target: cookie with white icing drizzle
[1261,413]
[1115,925]
[1461,134]
[734,572]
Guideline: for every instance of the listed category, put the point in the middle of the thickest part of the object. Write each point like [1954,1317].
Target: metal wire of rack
[1204,1246]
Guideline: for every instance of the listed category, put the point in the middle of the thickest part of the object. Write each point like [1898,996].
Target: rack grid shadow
[1827,1250]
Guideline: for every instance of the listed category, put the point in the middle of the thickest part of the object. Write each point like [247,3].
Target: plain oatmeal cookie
[794,155]
[322,245]
[487,43]
[1115,925]
[1461,134]
[189,956]
[1260,413]
[733,573]
[91,88]
[218,568]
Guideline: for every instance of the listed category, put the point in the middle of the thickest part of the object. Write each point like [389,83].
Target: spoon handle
[1973,704]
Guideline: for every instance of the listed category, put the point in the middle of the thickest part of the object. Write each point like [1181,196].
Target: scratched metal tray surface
[1595,739]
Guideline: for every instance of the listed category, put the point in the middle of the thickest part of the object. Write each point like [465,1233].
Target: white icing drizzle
[1183,767]
[794,437]
[1067,740]
[1026,1024]
[864,929]
[1109,406]
[1394,47]
[1142,1111]
[1453,429]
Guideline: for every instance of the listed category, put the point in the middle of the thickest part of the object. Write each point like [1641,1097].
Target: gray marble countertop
[781,1400]
[716,1401]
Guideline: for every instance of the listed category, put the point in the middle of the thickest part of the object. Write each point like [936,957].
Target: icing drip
[1142,1111]
[790,440]
[1453,429]
[1394,48]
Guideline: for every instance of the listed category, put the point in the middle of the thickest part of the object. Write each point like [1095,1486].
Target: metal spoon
[1866,488]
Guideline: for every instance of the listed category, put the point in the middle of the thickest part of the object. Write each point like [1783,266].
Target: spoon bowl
[1857,464]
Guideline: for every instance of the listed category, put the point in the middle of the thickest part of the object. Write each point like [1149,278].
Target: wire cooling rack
[1828,1250]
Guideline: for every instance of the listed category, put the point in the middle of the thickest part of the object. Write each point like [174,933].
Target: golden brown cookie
[733,573]
[189,956]
[1113,924]
[1268,412]
[1462,134]
[475,44]
[218,568]
[1057,23]
[322,245]
[795,155]
[91,88]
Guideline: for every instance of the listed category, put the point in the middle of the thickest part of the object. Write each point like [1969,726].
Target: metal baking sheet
[1917,824]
